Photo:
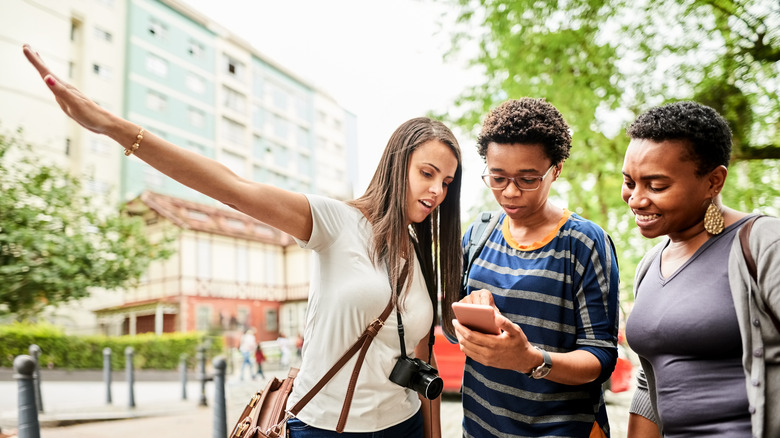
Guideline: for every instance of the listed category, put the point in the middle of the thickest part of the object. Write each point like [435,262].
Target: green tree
[55,244]
[601,62]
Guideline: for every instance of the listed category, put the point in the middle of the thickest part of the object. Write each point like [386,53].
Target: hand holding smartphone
[477,317]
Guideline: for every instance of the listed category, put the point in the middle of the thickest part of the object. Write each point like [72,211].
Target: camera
[417,375]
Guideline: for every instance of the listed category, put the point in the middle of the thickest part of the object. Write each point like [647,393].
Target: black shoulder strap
[428,276]
[480,232]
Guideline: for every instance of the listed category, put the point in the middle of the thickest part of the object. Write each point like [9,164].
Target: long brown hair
[438,236]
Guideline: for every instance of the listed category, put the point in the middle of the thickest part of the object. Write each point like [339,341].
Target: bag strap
[361,345]
[744,236]
[744,241]
[480,232]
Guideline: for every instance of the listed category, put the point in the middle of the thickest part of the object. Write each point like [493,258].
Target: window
[233,131]
[195,48]
[196,117]
[203,257]
[158,29]
[101,71]
[280,98]
[103,35]
[258,117]
[303,138]
[242,264]
[234,100]
[281,127]
[270,265]
[233,67]
[257,84]
[195,83]
[203,318]
[236,224]
[197,215]
[156,101]
[156,65]
[75,30]
[301,107]
[271,320]
[242,315]
[304,165]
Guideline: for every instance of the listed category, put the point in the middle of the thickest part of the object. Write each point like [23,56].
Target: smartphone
[477,317]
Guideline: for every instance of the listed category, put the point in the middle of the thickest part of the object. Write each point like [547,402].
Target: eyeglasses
[526,183]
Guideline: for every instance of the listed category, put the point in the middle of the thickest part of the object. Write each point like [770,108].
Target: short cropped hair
[706,132]
[527,121]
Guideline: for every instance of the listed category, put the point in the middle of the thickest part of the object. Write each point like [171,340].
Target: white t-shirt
[248,343]
[347,293]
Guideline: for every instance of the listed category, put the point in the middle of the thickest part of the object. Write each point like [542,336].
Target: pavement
[75,405]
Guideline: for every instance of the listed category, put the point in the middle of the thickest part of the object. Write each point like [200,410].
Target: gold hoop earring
[713,219]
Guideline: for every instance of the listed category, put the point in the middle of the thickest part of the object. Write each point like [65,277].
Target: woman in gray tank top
[684,324]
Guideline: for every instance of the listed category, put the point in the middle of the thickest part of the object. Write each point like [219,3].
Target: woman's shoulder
[585,226]
[331,207]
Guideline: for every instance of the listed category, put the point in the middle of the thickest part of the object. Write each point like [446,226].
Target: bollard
[220,414]
[201,357]
[28,427]
[107,373]
[35,352]
[183,375]
[130,376]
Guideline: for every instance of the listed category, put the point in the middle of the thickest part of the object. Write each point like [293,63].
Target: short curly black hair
[704,130]
[527,121]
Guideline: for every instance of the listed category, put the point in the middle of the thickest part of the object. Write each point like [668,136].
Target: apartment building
[191,81]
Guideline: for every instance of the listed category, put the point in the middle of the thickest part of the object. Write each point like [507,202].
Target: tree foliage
[55,244]
[601,62]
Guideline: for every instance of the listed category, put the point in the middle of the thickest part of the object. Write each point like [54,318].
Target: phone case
[478,317]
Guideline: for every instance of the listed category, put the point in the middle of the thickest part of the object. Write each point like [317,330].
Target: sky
[380,59]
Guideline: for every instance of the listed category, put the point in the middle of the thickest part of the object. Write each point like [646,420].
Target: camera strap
[431,291]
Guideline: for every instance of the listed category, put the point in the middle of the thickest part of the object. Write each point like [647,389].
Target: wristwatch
[542,370]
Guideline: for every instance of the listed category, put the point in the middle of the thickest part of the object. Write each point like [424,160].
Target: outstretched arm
[281,209]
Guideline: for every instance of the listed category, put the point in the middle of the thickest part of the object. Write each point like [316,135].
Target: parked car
[450,361]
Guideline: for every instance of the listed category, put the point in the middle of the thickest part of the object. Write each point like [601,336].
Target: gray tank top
[686,326]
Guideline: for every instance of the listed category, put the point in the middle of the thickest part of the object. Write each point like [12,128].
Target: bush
[86,352]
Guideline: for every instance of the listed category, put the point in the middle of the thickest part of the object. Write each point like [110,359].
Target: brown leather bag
[265,416]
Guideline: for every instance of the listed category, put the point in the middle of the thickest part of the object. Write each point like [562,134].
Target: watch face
[541,371]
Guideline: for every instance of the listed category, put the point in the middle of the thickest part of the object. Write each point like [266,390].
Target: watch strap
[544,369]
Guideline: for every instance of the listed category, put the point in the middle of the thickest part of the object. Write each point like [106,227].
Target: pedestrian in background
[247,348]
[364,258]
[706,333]
[552,279]
[259,359]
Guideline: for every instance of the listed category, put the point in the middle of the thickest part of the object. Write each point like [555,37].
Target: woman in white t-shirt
[360,249]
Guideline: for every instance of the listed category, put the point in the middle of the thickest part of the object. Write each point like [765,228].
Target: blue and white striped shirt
[563,293]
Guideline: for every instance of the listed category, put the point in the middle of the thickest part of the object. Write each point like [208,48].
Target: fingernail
[50,80]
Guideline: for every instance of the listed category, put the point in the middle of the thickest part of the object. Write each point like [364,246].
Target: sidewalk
[68,399]
[77,408]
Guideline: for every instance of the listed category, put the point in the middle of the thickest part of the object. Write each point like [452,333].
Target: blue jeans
[413,427]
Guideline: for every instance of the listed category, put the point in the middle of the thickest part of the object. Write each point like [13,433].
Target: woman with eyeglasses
[552,279]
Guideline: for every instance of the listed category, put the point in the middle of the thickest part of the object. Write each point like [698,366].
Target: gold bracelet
[129,151]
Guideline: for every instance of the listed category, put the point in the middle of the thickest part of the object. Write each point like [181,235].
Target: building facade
[191,81]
